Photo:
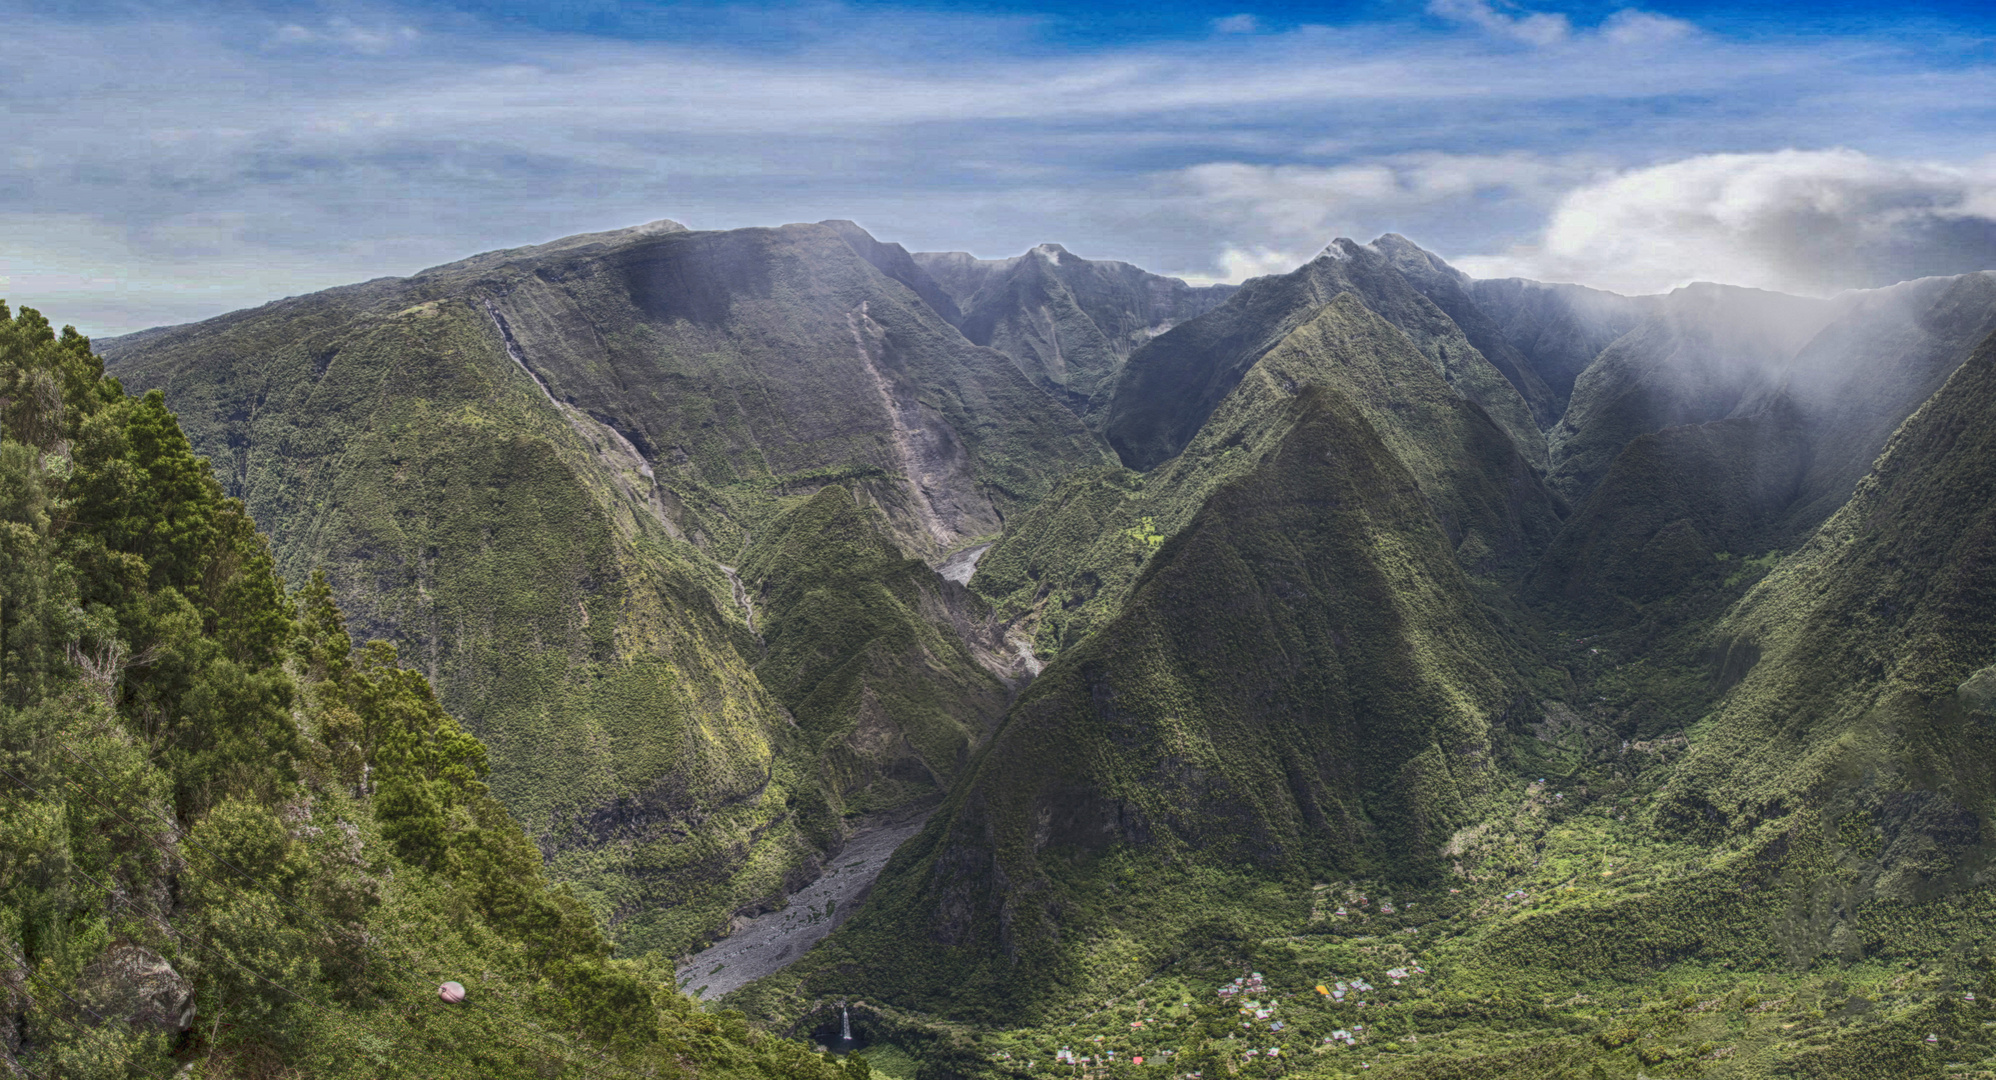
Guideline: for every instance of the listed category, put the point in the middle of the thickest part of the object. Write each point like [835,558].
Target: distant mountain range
[1638,645]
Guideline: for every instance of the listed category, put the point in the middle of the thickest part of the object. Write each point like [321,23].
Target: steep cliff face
[1848,658]
[1677,504]
[892,672]
[513,549]
[1452,291]
[746,363]
[1558,329]
[679,523]
[534,471]
[1269,662]
[1069,322]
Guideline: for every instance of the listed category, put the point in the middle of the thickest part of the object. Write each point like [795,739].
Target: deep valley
[1039,665]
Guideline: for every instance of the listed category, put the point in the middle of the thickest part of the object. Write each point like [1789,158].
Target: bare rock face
[138,986]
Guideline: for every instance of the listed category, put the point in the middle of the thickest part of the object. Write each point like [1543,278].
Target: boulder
[1978,692]
[136,985]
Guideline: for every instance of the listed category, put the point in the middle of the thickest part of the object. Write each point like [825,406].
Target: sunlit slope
[237,846]
[1071,561]
[1069,322]
[1171,385]
[1299,683]
[868,648]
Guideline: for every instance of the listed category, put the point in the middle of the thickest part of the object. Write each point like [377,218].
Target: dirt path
[772,942]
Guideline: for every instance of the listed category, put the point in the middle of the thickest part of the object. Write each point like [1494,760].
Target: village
[1266,1026]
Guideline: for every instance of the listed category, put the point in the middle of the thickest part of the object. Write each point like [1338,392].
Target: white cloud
[1627,27]
[1530,27]
[1291,208]
[345,33]
[365,147]
[1237,24]
[1632,27]
[1806,221]
[1236,265]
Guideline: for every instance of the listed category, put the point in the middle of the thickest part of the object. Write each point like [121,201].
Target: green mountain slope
[1850,655]
[525,569]
[1072,560]
[1172,384]
[1676,504]
[1863,374]
[1450,289]
[867,648]
[1069,322]
[743,364]
[1299,683]
[1793,887]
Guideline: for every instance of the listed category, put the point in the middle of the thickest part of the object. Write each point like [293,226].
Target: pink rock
[452,992]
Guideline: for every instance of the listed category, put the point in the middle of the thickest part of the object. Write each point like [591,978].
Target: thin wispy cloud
[178,163]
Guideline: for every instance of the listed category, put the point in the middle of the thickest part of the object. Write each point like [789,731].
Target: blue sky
[166,163]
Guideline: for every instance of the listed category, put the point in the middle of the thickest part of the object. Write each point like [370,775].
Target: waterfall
[845,1025]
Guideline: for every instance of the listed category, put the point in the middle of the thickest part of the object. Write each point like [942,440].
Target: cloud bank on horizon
[178,162]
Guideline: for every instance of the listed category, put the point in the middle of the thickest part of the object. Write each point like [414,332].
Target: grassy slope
[1852,650]
[1072,560]
[205,788]
[1688,517]
[1798,891]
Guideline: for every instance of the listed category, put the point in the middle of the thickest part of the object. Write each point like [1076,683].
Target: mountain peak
[1341,249]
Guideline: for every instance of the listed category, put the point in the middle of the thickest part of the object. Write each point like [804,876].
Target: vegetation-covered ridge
[1070,562]
[1524,611]
[230,843]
